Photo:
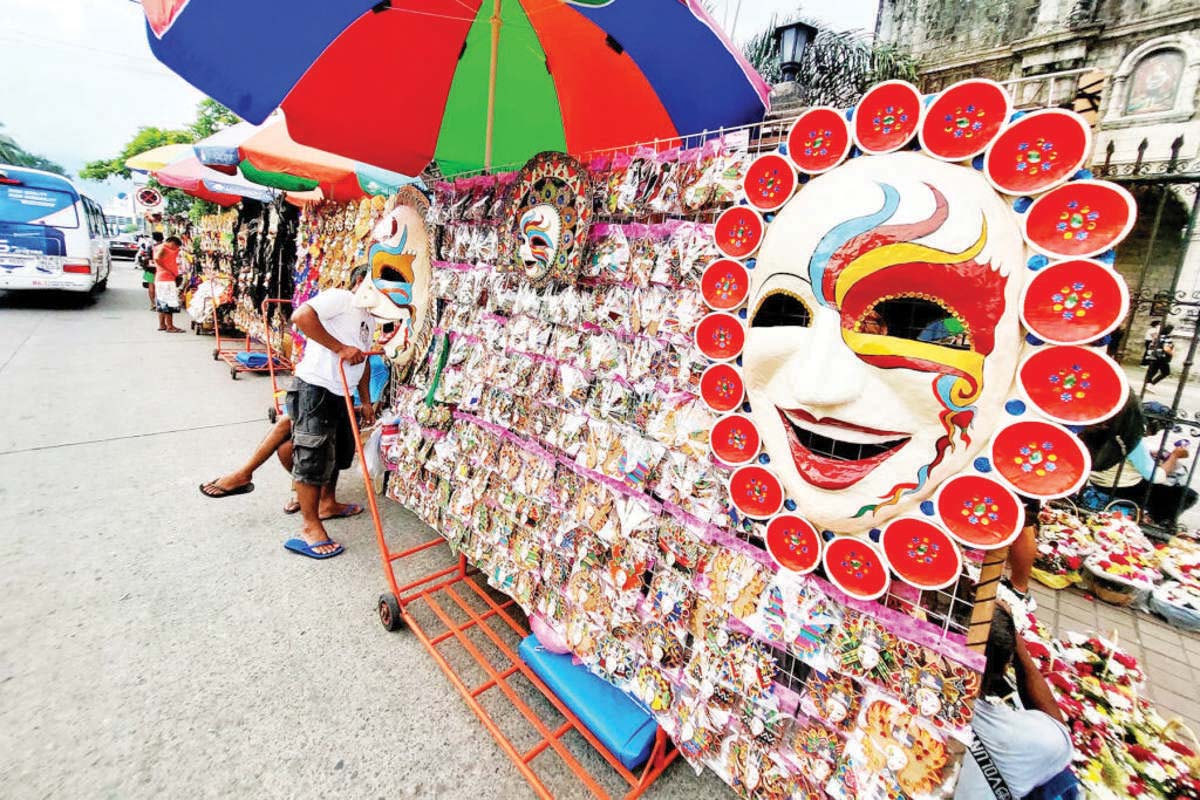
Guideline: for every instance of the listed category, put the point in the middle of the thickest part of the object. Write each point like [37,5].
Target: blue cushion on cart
[621,725]
[252,360]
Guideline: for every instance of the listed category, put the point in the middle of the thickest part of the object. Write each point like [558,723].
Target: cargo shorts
[322,439]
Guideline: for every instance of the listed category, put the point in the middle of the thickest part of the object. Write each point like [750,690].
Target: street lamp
[792,39]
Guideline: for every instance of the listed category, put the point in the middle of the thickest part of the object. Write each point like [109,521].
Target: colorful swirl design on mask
[535,228]
[863,262]
[392,270]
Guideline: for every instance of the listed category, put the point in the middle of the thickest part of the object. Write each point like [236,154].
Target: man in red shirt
[166,293]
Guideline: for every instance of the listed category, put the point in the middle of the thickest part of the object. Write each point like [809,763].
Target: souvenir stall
[746,432]
[213,246]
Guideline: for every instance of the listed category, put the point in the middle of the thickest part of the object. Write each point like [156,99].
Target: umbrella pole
[491,109]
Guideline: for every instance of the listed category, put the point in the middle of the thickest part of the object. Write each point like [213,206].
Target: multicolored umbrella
[159,157]
[270,157]
[199,180]
[471,83]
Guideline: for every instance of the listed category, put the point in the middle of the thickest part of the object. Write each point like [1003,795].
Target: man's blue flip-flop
[351,510]
[305,549]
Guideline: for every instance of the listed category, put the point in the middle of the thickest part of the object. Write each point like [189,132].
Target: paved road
[155,643]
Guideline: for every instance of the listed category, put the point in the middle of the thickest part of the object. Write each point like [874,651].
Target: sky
[79,78]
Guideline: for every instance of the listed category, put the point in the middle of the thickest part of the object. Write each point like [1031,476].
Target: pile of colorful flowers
[1123,747]
[1136,569]
[1063,543]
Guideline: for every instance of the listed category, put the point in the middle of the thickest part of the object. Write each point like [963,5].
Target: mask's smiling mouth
[831,454]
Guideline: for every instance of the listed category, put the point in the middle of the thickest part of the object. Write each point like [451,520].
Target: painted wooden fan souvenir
[549,211]
[906,357]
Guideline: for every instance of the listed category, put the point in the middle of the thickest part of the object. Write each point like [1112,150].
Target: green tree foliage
[211,117]
[836,68]
[13,153]
[146,138]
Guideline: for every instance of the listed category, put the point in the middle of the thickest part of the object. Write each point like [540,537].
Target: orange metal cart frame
[458,583]
[229,354]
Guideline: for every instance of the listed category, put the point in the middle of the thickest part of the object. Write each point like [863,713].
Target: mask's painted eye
[781,309]
[917,319]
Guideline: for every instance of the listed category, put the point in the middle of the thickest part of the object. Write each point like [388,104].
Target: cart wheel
[233,373]
[389,612]
[216,354]
[272,415]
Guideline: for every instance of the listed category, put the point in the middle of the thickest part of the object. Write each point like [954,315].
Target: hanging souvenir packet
[702,178]
[664,196]
[897,754]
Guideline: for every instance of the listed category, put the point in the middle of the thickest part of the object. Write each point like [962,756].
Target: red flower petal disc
[979,511]
[1080,219]
[721,388]
[755,492]
[725,284]
[738,232]
[856,567]
[1073,385]
[920,553]
[819,140]
[770,181]
[964,119]
[1074,302]
[793,543]
[1038,152]
[720,336]
[887,117]
[1040,459]
[734,440]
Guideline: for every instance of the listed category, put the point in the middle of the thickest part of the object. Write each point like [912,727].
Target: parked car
[51,236]
[122,246]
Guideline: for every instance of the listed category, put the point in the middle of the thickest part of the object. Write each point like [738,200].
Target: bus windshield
[31,205]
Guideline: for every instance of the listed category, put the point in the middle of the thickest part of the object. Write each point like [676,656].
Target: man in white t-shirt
[338,327]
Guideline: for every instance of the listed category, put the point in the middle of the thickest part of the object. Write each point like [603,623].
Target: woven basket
[1110,591]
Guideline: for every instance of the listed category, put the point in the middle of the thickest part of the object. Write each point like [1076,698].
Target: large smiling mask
[902,338]
[882,334]
[396,289]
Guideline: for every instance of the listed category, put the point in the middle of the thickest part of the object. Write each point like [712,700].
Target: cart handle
[362,462]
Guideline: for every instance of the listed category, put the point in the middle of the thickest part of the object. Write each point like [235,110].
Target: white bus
[51,236]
